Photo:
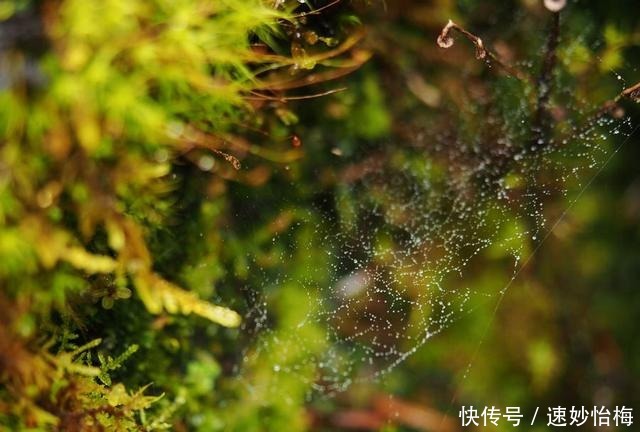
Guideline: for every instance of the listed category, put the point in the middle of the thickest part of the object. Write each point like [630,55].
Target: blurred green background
[563,334]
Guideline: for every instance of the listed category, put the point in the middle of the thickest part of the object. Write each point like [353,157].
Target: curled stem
[445,40]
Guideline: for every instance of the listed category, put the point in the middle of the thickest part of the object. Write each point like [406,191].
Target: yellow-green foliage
[125,83]
[92,120]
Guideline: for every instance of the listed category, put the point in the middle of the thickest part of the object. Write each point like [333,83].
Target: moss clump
[109,114]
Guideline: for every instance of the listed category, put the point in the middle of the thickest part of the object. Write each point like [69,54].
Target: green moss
[110,224]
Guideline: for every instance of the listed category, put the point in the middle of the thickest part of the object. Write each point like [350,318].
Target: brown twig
[445,40]
[632,93]
[541,124]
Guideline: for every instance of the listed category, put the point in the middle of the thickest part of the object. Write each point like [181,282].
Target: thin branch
[610,106]
[314,78]
[632,93]
[541,121]
[279,61]
[262,96]
[194,138]
[317,11]
[445,40]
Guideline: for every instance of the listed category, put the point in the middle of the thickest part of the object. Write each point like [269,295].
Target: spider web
[411,223]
